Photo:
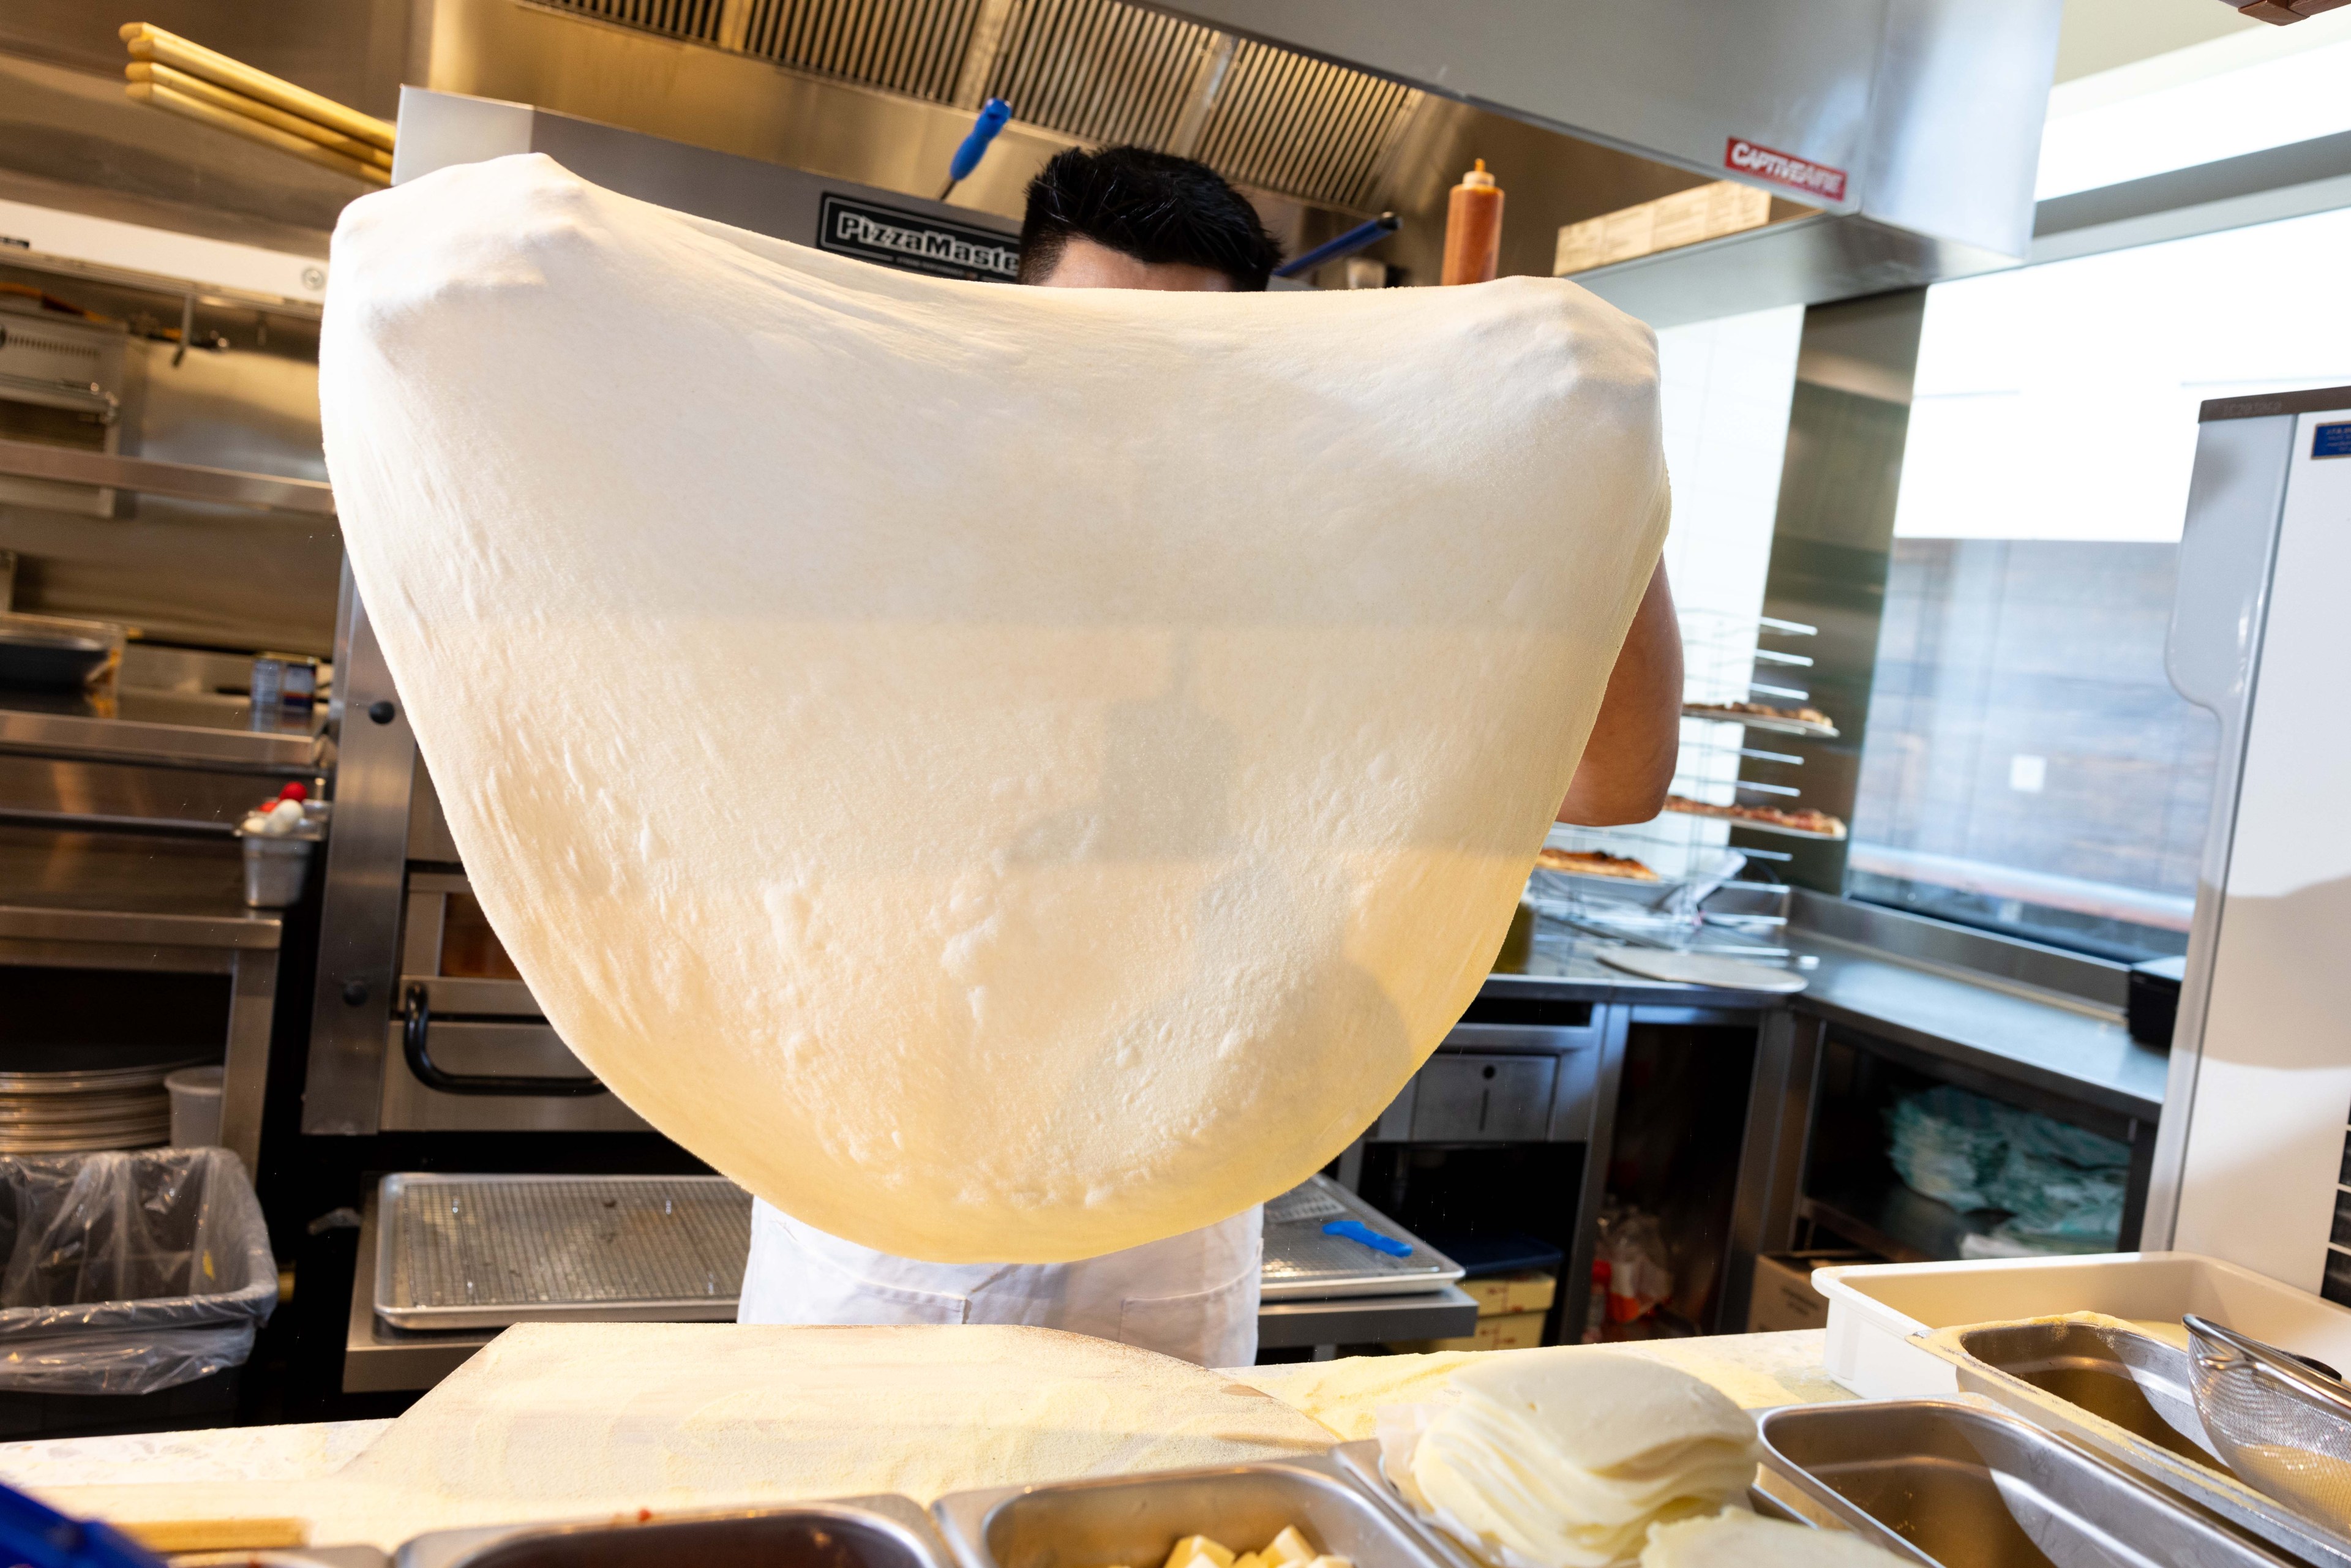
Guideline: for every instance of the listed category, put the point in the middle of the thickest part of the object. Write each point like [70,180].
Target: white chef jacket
[1192,1296]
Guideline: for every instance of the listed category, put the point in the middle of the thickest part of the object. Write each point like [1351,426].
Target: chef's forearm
[1629,761]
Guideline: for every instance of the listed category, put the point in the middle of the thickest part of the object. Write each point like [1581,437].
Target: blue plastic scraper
[1356,1230]
[37,1536]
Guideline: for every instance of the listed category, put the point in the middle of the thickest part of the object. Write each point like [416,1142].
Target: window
[2027,766]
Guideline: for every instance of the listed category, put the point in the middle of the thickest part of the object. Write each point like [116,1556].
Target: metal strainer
[2282,1428]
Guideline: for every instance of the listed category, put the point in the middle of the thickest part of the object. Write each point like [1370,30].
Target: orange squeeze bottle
[1473,228]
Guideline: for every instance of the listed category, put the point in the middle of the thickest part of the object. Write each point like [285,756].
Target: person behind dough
[1129,218]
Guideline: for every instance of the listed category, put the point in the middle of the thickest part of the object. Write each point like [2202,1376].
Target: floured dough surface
[571,1421]
[1004,774]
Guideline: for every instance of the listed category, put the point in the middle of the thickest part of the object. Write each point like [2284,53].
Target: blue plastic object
[1356,1230]
[993,116]
[1348,244]
[38,1536]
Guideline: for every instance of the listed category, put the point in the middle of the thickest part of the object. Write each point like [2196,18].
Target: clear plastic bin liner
[126,1274]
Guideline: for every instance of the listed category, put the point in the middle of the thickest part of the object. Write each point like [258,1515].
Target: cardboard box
[1529,1290]
[1783,1297]
[1504,1330]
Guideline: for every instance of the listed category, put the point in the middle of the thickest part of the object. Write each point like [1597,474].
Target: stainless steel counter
[2031,1026]
[2048,1041]
[2036,1036]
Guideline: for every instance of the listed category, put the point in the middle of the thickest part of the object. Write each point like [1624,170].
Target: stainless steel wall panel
[1954,140]
[360,910]
[1484,1097]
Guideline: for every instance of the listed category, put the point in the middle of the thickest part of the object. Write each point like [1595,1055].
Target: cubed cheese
[1208,1554]
[1288,1549]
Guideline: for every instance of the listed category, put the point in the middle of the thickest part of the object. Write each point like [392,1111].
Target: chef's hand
[1628,763]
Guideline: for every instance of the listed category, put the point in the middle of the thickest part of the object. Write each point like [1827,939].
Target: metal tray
[1136,1518]
[1760,721]
[2065,1377]
[483,1251]
[1302,1263]
[1758,827]
[852,1532]
[1961,1485]
[1569,889]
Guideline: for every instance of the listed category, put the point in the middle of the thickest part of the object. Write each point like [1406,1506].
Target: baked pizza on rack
[1803,819]
[1594,862]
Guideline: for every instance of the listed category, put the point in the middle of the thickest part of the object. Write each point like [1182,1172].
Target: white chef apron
[1192,1296]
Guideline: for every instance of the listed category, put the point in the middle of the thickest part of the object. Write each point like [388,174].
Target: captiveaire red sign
[1784,168]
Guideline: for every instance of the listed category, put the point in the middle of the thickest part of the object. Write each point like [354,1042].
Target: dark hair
[1153,206]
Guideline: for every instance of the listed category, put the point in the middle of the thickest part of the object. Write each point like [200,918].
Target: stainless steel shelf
[66,465]
[1449,1314]
[73,735]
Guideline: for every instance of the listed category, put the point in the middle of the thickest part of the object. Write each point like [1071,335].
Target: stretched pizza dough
[1005,774]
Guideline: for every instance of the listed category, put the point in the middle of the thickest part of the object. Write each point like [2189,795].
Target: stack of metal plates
[75,1110]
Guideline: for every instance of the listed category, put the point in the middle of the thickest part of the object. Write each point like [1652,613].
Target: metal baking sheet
[1301,1262]
[482,1251]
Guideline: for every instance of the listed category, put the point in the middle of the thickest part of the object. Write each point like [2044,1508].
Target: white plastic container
[195,1094]
[1875,1308]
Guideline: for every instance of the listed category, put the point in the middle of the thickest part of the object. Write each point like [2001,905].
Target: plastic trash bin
[129,1273]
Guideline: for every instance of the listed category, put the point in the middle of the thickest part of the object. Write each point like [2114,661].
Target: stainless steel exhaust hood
[1912,127]
[1901,134]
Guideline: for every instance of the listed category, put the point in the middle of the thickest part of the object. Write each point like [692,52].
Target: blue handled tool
[1356,1230]
[1348,244]
[993,116]
[38,1536]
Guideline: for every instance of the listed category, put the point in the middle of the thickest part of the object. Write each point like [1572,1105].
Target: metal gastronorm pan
[1136,1518]
[1960,1485]
[2070,1378]
[852,1532]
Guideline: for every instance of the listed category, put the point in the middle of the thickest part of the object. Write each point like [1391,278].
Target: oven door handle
[417,1018]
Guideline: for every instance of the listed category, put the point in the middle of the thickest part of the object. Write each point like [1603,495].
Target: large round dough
[1005,774]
